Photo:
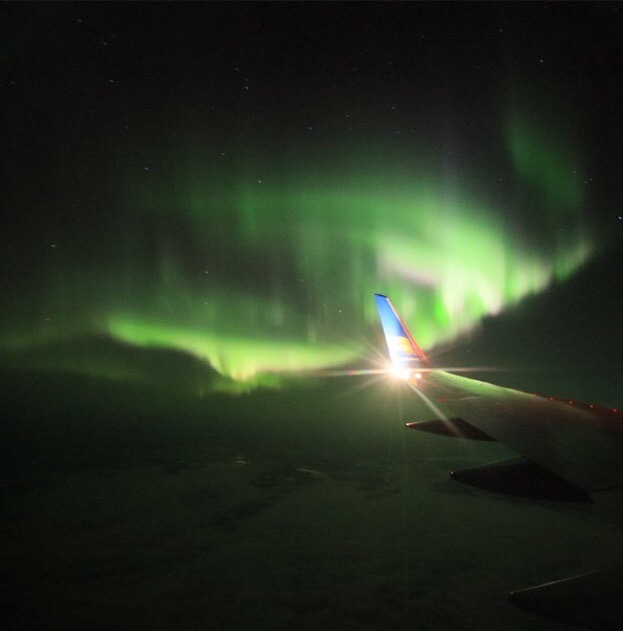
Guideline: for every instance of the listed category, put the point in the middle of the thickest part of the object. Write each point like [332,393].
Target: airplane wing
[568,450]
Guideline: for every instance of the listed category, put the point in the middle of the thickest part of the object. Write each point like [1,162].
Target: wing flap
[592,601]
[522,478]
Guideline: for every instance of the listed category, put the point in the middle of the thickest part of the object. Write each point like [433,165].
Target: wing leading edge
[577,444]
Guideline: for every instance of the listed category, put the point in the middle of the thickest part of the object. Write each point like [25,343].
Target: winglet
[403,349]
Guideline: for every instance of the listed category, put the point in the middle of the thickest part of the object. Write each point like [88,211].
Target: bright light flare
[400,373]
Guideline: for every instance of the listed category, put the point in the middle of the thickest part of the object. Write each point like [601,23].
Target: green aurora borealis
[265,277]
[229,184]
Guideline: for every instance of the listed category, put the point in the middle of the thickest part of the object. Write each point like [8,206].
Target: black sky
[77,75]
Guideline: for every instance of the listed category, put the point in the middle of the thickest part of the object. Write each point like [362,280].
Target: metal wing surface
[579,443]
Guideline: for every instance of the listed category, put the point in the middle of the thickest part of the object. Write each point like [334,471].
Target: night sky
[199,201]
[234,182]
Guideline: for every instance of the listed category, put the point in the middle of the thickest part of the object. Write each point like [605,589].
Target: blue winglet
[403,349]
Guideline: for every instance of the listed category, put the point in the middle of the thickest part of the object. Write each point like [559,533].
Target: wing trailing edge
[591,600]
